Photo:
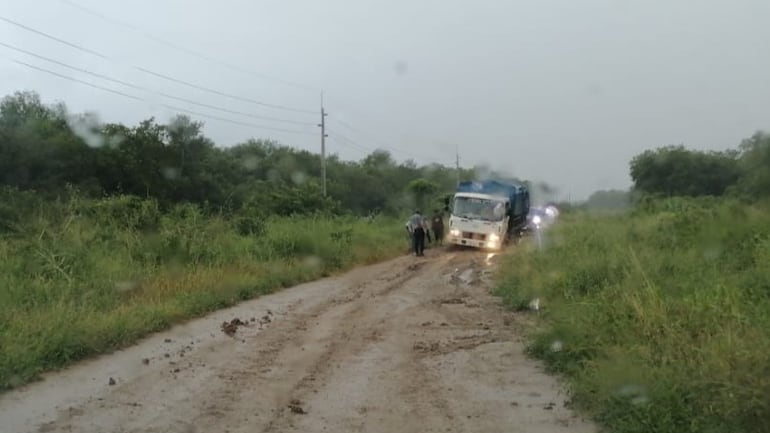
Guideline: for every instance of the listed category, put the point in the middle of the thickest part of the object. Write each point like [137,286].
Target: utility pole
[457,163]
[323,143]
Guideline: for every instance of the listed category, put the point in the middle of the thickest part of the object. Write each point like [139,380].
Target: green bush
[659,318]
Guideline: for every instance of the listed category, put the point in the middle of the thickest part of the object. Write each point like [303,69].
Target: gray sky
[563,91]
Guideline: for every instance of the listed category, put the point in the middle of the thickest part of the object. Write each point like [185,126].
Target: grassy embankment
[660,318]
[80,277]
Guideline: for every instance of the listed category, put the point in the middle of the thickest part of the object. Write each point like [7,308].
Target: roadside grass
[659,318]
[80,278]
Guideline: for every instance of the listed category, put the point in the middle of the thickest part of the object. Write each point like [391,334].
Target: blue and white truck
[488,213]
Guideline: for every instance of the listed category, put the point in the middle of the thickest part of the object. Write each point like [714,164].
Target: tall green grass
[83,277]
[660,318]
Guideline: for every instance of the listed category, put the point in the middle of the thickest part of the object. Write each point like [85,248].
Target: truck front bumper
[475,243]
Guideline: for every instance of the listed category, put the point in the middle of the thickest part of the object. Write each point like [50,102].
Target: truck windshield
[479,208]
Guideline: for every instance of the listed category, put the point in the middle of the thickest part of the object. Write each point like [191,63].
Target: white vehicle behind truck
[487,214]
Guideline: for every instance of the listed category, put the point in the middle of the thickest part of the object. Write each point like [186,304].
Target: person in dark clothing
[437,227]
[417,227]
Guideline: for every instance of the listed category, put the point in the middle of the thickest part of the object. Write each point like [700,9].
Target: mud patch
[416,266]
[295,406]
[426,347]
[452,301]
[231,327]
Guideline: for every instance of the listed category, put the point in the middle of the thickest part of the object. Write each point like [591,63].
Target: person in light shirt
[416,226]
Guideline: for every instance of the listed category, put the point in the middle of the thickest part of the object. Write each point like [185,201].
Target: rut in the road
[294,354]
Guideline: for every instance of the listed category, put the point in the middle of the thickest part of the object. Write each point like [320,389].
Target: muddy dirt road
[411,345]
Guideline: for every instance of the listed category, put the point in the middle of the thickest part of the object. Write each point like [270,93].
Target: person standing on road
[417,227]
[437,227]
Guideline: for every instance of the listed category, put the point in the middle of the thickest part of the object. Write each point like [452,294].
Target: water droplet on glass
[126,286]
[631,390]
[401,67]
[712,253]
[250,163]
[115,140]
[87,127]
[312,262]
[298,177]
[170,173]
[534,305]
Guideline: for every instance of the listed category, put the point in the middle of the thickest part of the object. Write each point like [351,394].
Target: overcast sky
[562,91]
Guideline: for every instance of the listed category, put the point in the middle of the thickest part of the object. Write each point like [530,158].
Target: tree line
[46,149]
[673,171]
[678,171]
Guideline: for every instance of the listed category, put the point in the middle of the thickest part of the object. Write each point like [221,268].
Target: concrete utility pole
[323,143]
[457,163]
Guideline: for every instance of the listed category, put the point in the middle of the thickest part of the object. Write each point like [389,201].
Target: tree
[754,163]
[674,170]
[421,189]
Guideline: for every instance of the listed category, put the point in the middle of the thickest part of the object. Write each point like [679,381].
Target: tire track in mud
[294,354]
[409,382]
[345,342]
[293,341]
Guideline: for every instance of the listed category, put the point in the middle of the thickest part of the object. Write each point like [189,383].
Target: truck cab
[479,220]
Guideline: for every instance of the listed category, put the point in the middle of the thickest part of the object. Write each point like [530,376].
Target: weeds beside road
[83,277]
[659,317]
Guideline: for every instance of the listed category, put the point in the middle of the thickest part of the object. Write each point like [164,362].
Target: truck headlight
[536,220]
[493,238]
[454,232]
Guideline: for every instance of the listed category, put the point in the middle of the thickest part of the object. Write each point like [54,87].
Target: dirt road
[411,345]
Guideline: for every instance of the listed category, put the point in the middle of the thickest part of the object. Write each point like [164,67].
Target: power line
[95,86]
[369,149]
[227,95]
[170,107]
[344,144]
[189,51]
[48,59]
[199,87]
[179,81]
[156,74]
[54,38]
[235,122]
[380,143]
[163,94]
[184,49]
[196,54]
[383,146]
[351,143]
